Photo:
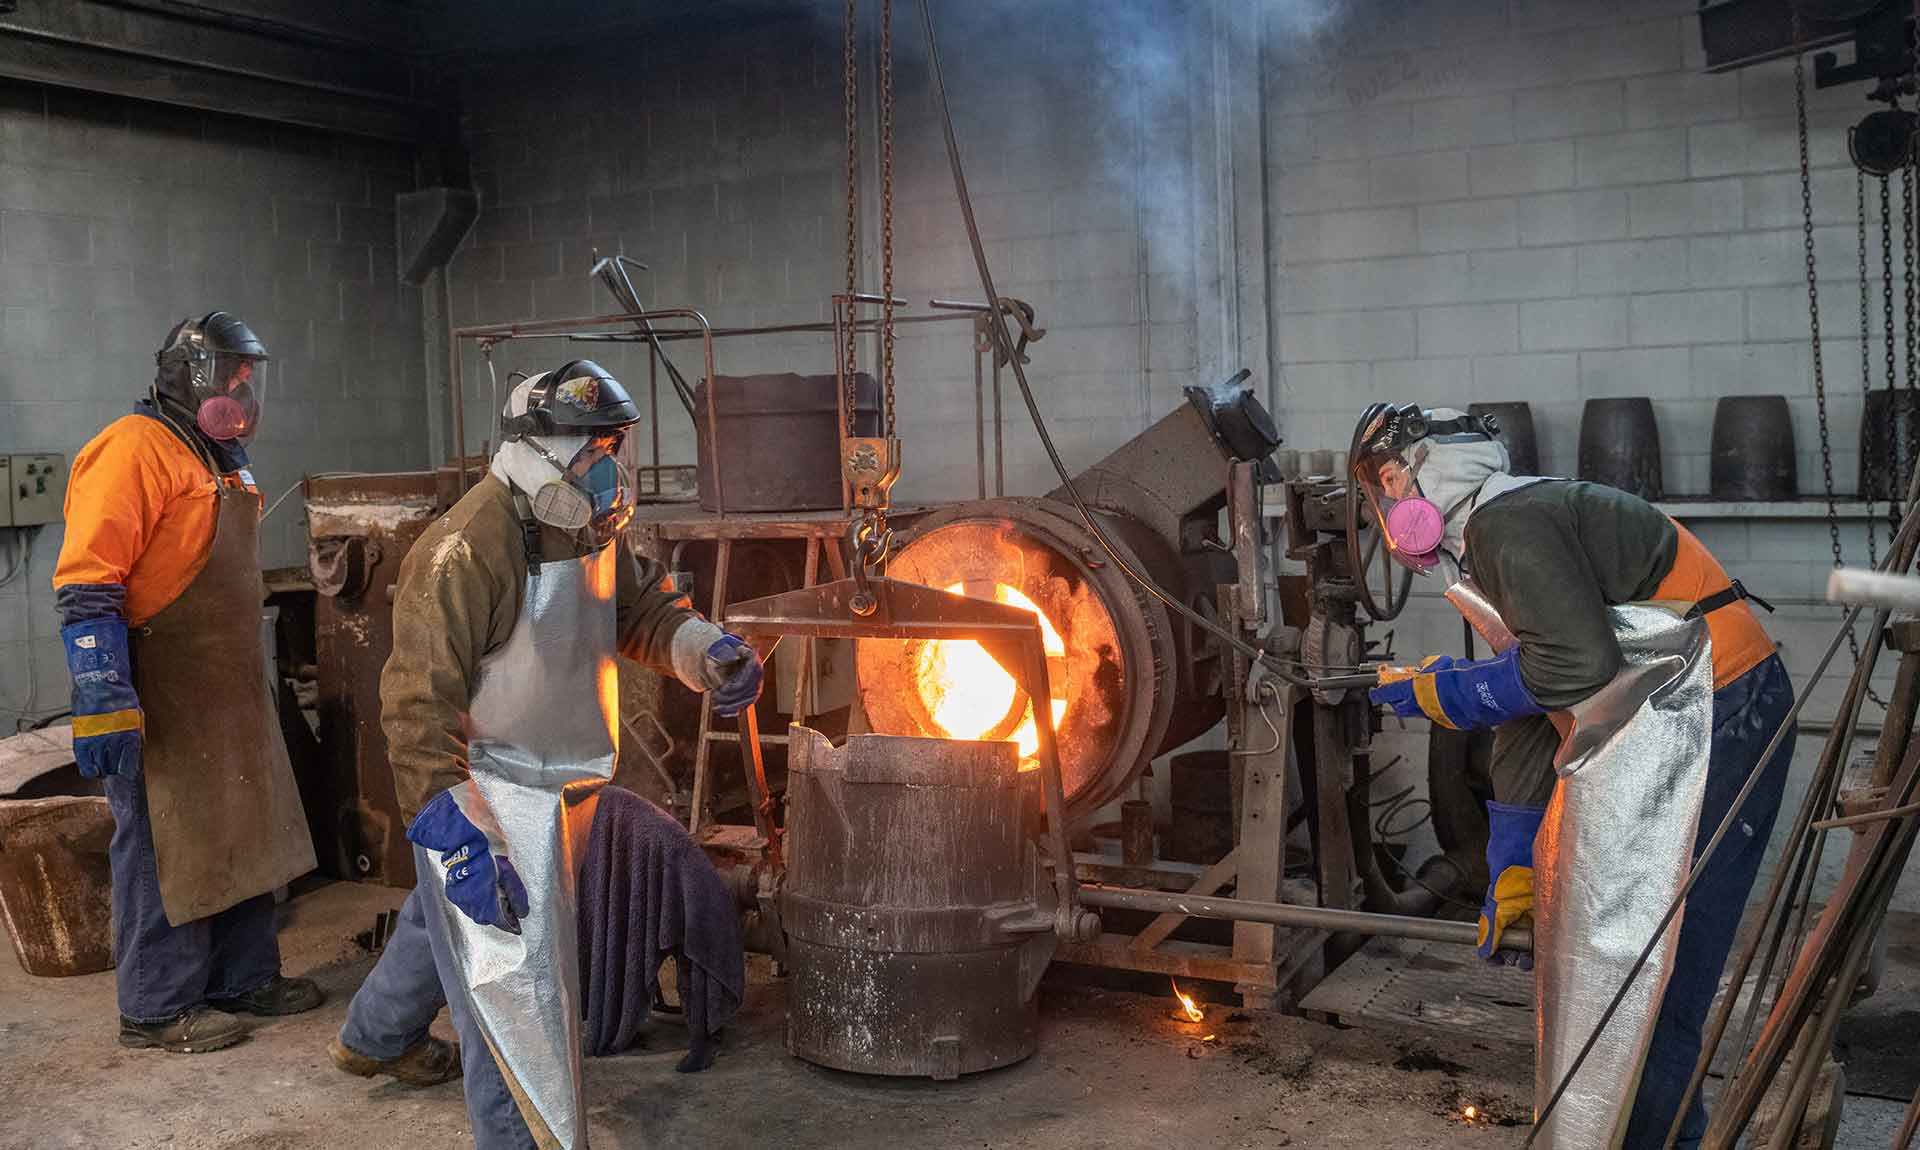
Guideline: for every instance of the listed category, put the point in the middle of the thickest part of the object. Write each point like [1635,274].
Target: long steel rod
[1868,817]
[1791,859]
[1286,914]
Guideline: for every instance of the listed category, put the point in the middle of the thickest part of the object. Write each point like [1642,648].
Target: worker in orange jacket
[160,593]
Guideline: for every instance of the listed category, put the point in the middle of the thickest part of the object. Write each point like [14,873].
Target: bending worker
[499,704]
[1560,562]
[159,590]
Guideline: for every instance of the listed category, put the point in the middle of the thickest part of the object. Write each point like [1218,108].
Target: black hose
[1004,339]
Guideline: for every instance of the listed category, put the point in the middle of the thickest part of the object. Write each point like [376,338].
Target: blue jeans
[1746,712]
[406,989]
[163,970]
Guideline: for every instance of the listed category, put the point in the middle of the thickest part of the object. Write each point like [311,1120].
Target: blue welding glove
[1510,835]
[107,720]
[737,667]
[480,879]
[1459,695]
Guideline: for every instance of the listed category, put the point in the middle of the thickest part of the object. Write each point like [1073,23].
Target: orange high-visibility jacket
[140,512]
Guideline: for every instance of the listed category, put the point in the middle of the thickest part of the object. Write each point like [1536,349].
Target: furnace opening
[966,694]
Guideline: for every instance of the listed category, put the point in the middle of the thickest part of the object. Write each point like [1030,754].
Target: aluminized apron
[543,743]
[1612,852]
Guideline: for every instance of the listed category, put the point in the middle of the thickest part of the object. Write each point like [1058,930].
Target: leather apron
[226,813]
[1613,850]
[543,744]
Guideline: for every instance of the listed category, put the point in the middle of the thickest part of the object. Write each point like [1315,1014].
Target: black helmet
[211,370]
[580,398]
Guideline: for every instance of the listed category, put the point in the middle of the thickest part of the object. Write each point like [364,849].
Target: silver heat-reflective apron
[1613,851]
[543,745]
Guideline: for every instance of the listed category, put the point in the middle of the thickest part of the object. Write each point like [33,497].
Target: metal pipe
[1873,589]
[1868,817]
[1285,914]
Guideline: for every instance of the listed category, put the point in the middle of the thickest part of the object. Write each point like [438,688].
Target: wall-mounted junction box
[36,488]
[6,487]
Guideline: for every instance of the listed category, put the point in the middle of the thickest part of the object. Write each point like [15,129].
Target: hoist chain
[1887,331]
[851,84]
[1813,304]
[886,210]
[1866,369]
[1913,353]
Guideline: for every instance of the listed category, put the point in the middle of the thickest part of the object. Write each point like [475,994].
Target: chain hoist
[1866,374]
[869,464]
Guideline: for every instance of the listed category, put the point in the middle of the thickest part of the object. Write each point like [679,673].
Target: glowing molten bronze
[967,695]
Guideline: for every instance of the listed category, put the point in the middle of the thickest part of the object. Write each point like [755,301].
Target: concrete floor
[1114,1069]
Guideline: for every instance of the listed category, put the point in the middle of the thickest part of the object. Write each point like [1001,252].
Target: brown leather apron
[226,813]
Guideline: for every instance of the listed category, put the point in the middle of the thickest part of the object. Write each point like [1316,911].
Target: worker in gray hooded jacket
[499,704]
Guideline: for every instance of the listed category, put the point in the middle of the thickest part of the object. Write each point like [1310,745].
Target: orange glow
[1470,1113]
[600,574]
[607,681]
[968,694]
[1187,1005]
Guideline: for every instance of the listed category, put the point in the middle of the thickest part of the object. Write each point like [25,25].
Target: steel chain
[1887,333]
[850,84]
[1813,306]
[1866,365]
[886,209]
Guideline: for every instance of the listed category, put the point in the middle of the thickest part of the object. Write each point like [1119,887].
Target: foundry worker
[1556,559]
[499,704]
[159,589]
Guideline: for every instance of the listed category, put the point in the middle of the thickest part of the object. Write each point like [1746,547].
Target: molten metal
[968,695]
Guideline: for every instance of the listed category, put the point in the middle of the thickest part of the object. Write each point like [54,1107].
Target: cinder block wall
[117,219]
[1548,200]
[716,156]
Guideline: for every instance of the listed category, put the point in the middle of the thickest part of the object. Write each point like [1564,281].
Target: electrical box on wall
[6,486]
[36,488]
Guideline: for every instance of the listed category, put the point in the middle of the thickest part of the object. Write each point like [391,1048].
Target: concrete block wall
[1550,201]
[116,220]
[716,156]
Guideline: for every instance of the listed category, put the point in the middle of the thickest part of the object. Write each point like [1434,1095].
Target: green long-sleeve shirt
[458,598]
[1552,557]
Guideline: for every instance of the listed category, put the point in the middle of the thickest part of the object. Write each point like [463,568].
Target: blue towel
[648,891]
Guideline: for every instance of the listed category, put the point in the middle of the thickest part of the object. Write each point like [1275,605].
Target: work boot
[195,1032]
[428,1062]
[281,996]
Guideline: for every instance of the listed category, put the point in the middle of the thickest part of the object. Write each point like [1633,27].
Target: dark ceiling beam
[68,65]
[365,25]
[185,52]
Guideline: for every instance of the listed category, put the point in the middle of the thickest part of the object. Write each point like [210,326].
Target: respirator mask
[1390,445]
[591,490]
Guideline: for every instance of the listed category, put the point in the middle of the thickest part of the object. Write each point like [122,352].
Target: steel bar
[1869,817]
[1830,961]
[1285,914]
[1788,876]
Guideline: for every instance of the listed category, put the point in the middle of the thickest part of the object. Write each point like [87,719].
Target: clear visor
[597,472]
[231,396]
[1385,482]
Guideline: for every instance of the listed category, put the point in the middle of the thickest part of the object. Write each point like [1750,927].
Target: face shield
[1385,462]
[229,392]
[594,490]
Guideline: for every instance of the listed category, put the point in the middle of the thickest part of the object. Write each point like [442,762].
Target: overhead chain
[851,84]
[1866,373]
[886,210]
[1912,418]
[1813,306]
[1893,377]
